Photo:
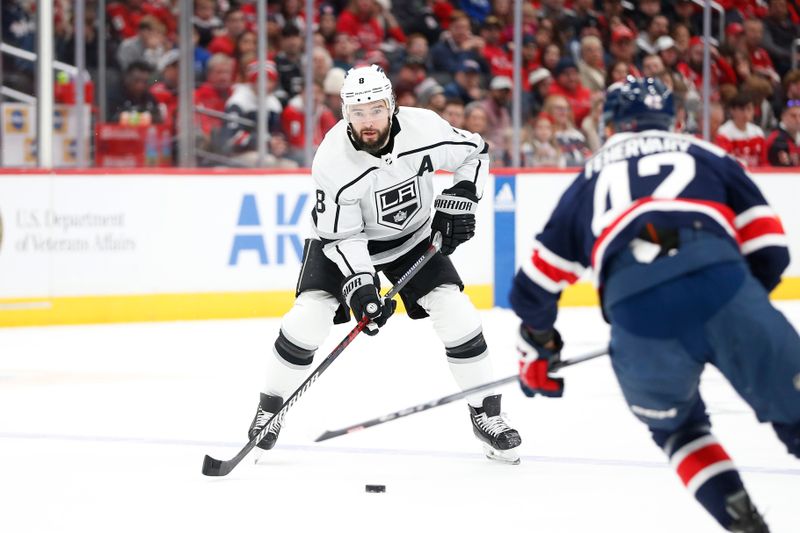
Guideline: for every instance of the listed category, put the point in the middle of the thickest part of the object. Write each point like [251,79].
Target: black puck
[375,488]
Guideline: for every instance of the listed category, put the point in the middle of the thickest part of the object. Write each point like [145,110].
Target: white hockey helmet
[366,84]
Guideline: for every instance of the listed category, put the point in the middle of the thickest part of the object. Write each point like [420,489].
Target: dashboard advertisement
[171,245]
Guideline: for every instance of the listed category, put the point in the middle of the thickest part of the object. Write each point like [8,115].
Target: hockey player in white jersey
[373,173]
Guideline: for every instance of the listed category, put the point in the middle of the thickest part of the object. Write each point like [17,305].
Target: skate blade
[257,453]
[509,457]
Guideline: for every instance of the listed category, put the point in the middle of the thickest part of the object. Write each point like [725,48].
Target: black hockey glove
[539,351]
[455,215]
[360,291]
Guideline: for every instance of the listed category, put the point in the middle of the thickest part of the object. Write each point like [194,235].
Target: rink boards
[104,246]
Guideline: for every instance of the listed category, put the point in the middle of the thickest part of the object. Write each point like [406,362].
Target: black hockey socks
[706,469]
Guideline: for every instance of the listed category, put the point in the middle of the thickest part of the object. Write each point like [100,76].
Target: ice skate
[267,407]
[747,519]
[499,440]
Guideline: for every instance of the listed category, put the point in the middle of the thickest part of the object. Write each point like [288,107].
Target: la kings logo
[397,205]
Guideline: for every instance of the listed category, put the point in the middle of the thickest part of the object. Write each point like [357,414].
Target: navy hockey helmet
[639,104]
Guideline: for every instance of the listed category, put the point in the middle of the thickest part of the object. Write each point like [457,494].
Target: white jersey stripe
[656,205]
[541,279]
[558,261]
[749,215]
[690,447]
[748,247]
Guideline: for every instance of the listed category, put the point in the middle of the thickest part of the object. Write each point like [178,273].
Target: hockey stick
[215,467]
[451,398]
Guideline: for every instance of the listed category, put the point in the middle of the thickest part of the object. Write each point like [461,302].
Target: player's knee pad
[305,326]
[454,318]
[790,436]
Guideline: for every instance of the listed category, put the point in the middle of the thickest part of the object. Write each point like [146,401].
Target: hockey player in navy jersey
[373,173]
[684,249]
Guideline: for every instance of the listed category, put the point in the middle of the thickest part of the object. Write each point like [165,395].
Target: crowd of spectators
[453,57]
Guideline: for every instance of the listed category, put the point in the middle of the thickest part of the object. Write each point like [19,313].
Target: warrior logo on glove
[455,215]
[361,293]
[454,206]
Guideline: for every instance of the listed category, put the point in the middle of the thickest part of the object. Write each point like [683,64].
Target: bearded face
[370,126]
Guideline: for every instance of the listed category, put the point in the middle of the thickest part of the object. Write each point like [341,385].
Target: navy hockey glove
[539,351]
[360,291]
[455,215]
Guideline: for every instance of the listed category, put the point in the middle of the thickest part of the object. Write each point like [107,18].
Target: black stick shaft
[451,398]
[216,467]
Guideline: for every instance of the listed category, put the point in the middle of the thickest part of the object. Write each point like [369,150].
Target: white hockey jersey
[369,209]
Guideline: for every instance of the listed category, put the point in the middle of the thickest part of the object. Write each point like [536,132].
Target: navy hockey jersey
[667,179]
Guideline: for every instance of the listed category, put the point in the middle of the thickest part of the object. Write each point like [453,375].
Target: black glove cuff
[355,282]
[465,189]
[539,338]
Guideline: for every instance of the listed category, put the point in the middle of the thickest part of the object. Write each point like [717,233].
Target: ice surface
[104,428]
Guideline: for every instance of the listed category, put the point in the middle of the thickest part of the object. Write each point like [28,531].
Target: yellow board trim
[224,305]
[164,307]
[789,289]
[579,295]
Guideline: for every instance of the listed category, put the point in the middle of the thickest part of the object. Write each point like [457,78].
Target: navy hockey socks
[704,468]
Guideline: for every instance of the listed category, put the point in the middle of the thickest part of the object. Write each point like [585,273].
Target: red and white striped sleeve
[550,271]
[759,227]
